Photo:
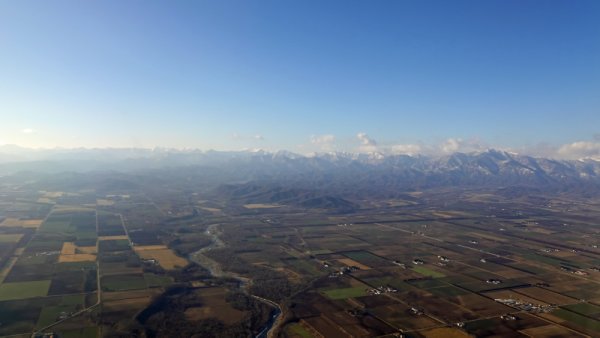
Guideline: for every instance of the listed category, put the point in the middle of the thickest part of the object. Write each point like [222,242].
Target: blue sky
[299,75]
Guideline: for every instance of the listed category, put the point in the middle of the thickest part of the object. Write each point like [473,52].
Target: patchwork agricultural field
[468,272]
[139,261]
[61,262]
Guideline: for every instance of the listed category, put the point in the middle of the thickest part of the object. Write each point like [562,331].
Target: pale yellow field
[351,262]
[415,193]
[87,249]
[68,248]
[76,258]
[210,209]
[165,257]
[150,247]
[261,206]
[10,238]
[105,202]
[24,223]
[72,253]
[32,223]
[6,269]
[53,194]
[12,222]
[105,238]
[70,208]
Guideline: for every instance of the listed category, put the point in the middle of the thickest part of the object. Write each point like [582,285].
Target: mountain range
[349,173]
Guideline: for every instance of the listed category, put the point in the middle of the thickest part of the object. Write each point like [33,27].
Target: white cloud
[451,145]
[368,145]
[581,149]
[239,137]
[406,149]
[28,131]
[322,142]
[366,140]
[322,139]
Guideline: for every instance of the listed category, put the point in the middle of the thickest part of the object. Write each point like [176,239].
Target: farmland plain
[136,261]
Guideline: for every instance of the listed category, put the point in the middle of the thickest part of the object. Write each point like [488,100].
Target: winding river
[215,270]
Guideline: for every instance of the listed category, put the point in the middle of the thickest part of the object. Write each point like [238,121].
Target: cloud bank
[579,150]
[323,142]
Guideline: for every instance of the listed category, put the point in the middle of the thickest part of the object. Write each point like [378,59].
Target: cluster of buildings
[382,289]
[47,253]
[573,271]
[415,311]
[402,265]
[493,281]
[444,259]
[344,270]
[508,316]
[150,261]
[525,306]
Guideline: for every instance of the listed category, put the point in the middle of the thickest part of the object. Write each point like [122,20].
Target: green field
[366,258]
[428,272]
[55,226]
[23,290]
[114,245]
[41,243]
[51,314]
[73,300]
[481,324]
[394,282]
[32,259]
[584,308]
[86,332]
[153,280]
[427,283]
[299,330]
[21,315]
[71,266]
[344,293]
[589,324]
[123,282]
[585,291]
[546,259]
